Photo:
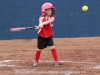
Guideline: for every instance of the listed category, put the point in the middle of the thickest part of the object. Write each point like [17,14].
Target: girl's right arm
[40,21]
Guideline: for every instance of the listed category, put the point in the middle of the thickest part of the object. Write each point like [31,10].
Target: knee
[52,47]
[39,50]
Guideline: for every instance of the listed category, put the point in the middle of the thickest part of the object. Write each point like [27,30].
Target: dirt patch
[77,56]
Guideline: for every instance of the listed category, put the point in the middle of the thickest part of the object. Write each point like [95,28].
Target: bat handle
[30,28]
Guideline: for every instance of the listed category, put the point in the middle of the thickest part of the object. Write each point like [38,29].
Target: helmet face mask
[47,6]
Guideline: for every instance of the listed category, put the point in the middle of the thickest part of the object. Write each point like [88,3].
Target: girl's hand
[37,27]
[41,25]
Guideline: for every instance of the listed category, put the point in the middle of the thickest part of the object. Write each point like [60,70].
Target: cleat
[56,64]
[35,64]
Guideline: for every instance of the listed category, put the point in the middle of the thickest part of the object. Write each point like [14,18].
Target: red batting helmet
[46,6]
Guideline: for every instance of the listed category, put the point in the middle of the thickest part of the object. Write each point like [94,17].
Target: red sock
[37,56]
[54,53]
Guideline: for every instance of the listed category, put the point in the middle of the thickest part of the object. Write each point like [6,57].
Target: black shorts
[44,42]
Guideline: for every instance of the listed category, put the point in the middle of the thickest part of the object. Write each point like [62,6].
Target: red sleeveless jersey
[46,31]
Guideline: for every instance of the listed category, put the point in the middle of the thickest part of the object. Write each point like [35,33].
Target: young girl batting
[45,32]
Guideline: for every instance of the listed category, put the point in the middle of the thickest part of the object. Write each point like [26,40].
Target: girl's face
[49,12]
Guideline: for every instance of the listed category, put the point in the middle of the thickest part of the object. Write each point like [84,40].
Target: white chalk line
[7,61]
[97,67]
[75,72]
[48,72]
[2,65]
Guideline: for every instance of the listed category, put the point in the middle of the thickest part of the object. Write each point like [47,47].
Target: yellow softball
[85,8]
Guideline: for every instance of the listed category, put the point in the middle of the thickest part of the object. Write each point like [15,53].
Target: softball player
[45,32]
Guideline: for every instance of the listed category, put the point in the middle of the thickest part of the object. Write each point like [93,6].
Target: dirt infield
[77,56]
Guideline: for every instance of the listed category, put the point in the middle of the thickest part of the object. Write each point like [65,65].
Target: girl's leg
[54,53]
[37,56]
